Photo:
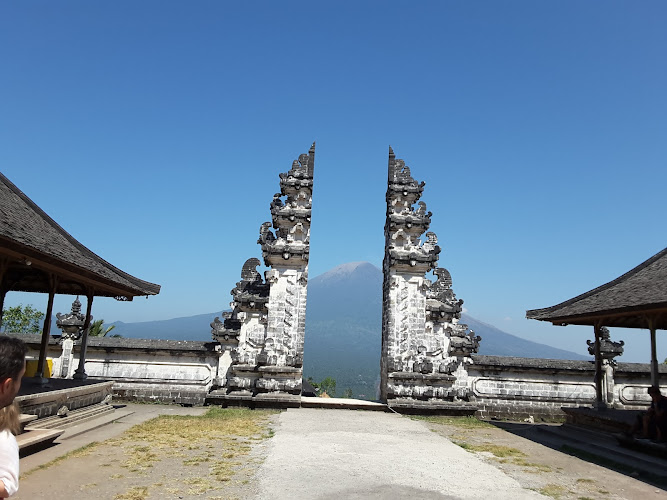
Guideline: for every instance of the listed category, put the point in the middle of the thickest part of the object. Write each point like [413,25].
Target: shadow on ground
[599,448]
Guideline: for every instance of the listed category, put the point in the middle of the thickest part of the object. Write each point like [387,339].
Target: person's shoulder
[5,436]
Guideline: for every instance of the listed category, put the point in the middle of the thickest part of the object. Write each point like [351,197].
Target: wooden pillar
[655,374]
[80,372]
[599,401]
[41,364]
[3,292]
[4,264]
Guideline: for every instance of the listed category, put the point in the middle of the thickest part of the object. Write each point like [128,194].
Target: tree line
[26,320]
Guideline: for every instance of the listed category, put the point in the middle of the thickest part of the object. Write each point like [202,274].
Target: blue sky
[154,133]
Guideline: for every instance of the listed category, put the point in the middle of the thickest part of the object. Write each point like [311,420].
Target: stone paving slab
[333,454]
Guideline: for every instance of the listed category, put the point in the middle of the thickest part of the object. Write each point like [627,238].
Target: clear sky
[154,133]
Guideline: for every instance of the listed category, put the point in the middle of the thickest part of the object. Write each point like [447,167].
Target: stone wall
[165,371]
[517,388]
[183,372]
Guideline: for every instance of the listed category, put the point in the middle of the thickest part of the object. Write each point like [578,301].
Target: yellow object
[31,367]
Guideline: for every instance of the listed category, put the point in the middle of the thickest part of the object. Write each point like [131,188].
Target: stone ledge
[432,407]
[432,377]
[280,369]
[242,368]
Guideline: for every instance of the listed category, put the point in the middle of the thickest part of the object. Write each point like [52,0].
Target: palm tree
[97,329]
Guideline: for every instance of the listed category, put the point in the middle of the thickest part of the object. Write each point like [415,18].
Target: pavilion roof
[34,247]
[625,302]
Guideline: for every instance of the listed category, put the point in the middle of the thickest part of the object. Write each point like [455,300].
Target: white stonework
[506,387]
[265,330]
[424,348]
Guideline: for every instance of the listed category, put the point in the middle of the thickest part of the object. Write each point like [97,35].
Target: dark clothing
[657,415]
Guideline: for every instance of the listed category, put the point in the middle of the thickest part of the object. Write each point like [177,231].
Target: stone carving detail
[265,329]
[424,347]
[72,323]
[608,348]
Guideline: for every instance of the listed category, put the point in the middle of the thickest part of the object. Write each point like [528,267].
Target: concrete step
[84,426]
[72,418]
[25,419]
[342,404]
[35,437]
[605,447]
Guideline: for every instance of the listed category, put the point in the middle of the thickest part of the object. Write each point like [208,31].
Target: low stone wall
[185,372]
[517,388]
[45,401]
[165,371]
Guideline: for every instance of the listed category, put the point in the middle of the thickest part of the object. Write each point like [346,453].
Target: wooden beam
[608,318]
[71,273]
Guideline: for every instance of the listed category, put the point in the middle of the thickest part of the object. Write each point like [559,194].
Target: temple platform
[51,406]
[45,398]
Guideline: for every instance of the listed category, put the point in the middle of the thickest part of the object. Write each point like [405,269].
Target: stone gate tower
[264,331]
[424,347]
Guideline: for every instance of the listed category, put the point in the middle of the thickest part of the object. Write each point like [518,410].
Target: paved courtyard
[321,454]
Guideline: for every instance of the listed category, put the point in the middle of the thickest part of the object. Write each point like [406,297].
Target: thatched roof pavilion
[37,255]
[637,299]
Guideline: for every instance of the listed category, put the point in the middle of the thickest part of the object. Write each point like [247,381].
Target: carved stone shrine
[71,324]
[608,351]
[424,347]
[264,331]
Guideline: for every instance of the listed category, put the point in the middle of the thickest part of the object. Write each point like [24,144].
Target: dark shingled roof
[625,302]
[27,233]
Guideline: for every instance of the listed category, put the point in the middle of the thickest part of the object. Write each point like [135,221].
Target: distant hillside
[343,330]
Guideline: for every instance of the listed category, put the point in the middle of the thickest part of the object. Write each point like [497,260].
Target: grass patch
[190,432]
[139,458]
[552,490]
[506,455]
[136,493]
[585,480]
[461,422]
[211,447]
[196,460]
[522,462]
[199,485]
[498,451]
[191,438]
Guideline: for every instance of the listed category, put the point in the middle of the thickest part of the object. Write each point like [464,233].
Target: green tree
[315,385]
[19,319]
[97,329]
[347,393]
[328,385]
